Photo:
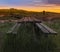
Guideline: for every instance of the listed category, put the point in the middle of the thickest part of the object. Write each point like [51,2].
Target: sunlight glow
[48,8]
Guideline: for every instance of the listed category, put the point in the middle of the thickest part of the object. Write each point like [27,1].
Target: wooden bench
[45,29]
[29,20]
[14,29]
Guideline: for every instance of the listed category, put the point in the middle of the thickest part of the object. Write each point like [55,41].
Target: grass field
[56,26]
[27,40]
[4,27]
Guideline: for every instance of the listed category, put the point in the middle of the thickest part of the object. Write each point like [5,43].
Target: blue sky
[26,2]
[20,2]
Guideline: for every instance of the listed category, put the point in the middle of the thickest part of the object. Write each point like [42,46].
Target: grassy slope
[4,27]
[26,41]
[56,26]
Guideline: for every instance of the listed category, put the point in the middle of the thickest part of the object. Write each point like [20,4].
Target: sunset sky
[32,5]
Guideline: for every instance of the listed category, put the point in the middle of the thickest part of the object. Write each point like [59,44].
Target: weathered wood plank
[16,29]
[45,29]
[12,29]
[49,29]
[42,29]
[29,20]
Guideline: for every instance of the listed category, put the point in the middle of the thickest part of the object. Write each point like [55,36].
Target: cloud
[38,3]
[46,3]
[54,1]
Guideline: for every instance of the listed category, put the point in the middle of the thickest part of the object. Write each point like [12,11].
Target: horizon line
[55,9]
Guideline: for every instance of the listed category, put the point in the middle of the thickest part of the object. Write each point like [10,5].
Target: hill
[17,14]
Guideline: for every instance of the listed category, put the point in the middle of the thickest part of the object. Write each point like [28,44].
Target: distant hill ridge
[11,13]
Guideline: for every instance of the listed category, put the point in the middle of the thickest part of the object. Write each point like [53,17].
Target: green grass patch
[55,25]
[26,41]
[4,27]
